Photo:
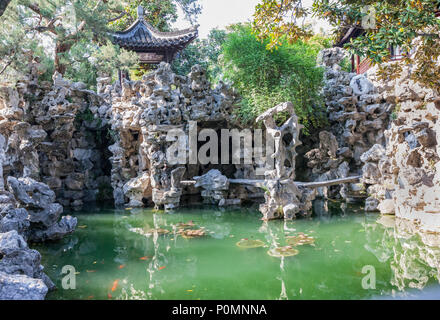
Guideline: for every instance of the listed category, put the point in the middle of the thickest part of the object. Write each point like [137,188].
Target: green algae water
[126,254]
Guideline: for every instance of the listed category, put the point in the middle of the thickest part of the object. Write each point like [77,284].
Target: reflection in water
[271,232]
[127,265]
[414,257]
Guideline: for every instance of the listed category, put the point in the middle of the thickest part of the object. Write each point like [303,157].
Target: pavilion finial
[140,13]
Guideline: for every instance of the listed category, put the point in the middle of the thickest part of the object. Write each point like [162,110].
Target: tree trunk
[61,48]
[3,5]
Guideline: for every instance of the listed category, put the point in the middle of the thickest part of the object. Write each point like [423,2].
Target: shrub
[265,78]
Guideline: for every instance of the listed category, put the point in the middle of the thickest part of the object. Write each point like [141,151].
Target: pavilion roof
[346,34]
[142,36]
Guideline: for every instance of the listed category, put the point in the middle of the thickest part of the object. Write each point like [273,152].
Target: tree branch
[123,13]
[8,64]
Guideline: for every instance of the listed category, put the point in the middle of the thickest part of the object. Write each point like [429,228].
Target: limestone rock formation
[43,213]
[358,115]
[145,115]
[215,187]
[403,172]
[21,275]
[50,134]
[21,287]
[283,197]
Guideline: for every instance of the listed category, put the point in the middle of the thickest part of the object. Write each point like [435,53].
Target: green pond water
[114,260]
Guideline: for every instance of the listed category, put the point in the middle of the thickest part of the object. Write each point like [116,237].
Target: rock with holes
[283,198]
[43,213]
[21,287]
[361,85]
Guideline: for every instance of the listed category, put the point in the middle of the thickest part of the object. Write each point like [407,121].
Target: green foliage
[111,57]
[72,36]
[385,23]
[86,115]
[204,52]
[346,64]
[266,78]
[159,13]
[276,20]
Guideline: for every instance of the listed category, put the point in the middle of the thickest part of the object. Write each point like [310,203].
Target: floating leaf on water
[191,233]
[149,232]
[247,244]
[300,239]
[279,252]
[189,224]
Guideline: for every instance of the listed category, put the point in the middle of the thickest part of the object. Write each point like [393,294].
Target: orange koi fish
[115,285]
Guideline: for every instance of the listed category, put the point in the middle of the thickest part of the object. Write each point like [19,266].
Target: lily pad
[247,244]
[286,251]
[300,239]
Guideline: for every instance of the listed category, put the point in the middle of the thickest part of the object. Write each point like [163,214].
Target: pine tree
[64,34]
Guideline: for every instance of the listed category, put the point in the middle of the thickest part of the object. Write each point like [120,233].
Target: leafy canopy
[204,52]
[265,78]
[72,36]
[161,13]
[389,23]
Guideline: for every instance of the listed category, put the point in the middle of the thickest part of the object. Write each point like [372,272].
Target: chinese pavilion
[151,45]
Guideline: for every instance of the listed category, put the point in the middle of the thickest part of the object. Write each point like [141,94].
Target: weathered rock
[386,206]
[15,219]
[30,193]
[144,114]
[21,287]
[215,187]
[357,114]
[361,85]
[42,212]
[57,231]
[213,180]
[371,204]
[403,175]
[136,189]
[283,198]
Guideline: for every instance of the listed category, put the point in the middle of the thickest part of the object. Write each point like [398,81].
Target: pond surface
[116,255]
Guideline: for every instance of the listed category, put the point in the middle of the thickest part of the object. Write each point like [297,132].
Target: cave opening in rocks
[103,140]
[224,163]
